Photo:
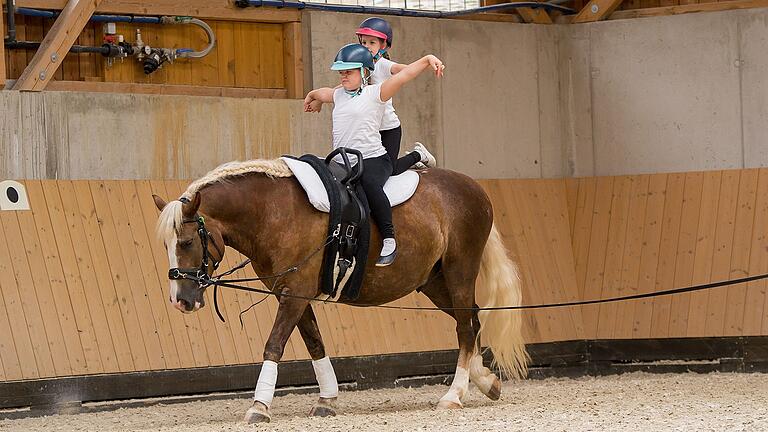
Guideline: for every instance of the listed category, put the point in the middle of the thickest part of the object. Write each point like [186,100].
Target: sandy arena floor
[631,402]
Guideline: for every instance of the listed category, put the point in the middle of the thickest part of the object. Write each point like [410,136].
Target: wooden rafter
[596,10]
[56,45]
[214,9]
[537,16]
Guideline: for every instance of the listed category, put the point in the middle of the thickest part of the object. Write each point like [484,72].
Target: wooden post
[293,64]
[596,10]
[56,45]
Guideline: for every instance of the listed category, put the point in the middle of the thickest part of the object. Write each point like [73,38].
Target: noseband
[200,274]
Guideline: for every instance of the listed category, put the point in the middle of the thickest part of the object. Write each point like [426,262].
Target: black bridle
[199,274]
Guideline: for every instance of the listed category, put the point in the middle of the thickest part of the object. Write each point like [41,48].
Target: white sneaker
[426,157]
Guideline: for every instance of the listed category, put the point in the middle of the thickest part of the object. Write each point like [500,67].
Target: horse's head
[195,247]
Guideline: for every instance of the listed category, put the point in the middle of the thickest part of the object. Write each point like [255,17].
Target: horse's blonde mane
[169,221]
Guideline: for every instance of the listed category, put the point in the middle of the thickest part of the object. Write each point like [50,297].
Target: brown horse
[446,239]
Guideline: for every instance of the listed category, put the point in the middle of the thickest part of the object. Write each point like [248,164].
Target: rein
[201,277]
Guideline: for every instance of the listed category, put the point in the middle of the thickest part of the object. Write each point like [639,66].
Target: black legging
[391,140]
[376,171]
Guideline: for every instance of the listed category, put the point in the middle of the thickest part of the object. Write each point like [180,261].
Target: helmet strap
[380,54]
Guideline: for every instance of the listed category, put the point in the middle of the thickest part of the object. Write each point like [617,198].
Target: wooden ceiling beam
[596,10]
[56,45]
[689,8]
[536,16]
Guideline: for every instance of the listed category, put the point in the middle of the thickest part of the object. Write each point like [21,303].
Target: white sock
[388,247]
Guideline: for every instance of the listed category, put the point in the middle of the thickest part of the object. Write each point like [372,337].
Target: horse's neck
[243,208]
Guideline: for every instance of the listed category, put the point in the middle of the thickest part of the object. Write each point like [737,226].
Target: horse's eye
[185,243]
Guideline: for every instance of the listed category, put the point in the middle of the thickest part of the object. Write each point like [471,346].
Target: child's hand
[437,65]
[315,106]
[308,102]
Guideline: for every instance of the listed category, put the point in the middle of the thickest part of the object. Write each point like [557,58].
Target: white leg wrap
[459,386]
[326,377]
[265,387]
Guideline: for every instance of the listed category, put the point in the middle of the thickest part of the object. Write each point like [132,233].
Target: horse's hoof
[494,393]
[324,408]
[448,405]
[257,413]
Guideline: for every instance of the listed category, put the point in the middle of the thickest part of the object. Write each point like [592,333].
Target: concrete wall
[682,93]
[484,118]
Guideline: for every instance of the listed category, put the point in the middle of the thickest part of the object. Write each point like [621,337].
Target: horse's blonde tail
[502,329]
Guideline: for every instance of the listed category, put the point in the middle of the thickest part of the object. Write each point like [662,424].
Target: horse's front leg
[321,363]
[289,312]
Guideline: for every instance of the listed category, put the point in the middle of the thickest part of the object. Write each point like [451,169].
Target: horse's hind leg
[440,293]
[485,380]
[326,377]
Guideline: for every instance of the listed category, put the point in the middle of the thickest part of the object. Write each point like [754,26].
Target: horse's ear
[159,202]
[189,209]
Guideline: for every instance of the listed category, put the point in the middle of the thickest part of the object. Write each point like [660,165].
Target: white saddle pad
[398,188]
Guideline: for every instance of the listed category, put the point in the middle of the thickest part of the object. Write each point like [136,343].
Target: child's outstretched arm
[321,95]
[391,86]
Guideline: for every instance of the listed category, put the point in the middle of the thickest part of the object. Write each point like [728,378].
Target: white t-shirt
[382,72]
[357,121]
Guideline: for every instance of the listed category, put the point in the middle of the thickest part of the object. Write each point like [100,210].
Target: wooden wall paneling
[705,247]
[151,298]
[740,255]
[105,326]
[15,346]
[598,242]
[186,327]
[38,289]
[142,351]
[572,195]
[73,325]
[90,66]
[721,259]
[330,325]
[154,259]
[32,314]
[175,37]
[293,62]
[649,259]
[17,59]
[614,255]
[755,307]
[510,228]
[61,264]
[558,221]
[248,66]
[3,76]
[270,40]
[34,33]
[670,234]
[633,248]
[686,249]
[582,229]
[536,210]
[137,285]
[225,52]
[205,71]
[208,327]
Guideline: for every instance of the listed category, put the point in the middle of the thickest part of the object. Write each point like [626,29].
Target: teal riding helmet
[354,56]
